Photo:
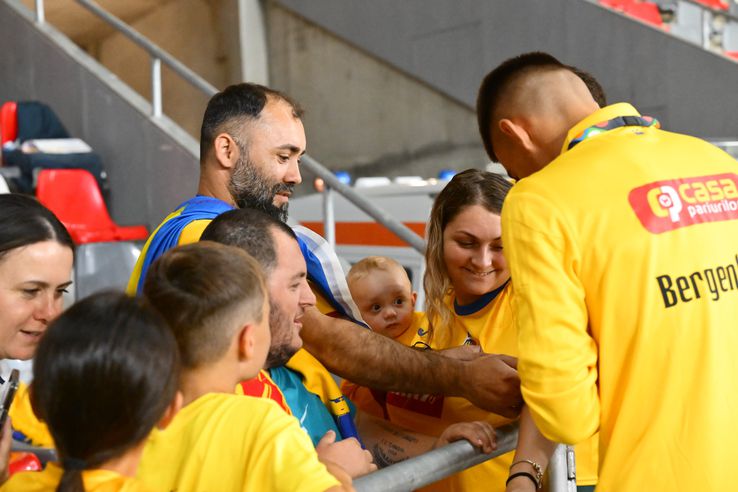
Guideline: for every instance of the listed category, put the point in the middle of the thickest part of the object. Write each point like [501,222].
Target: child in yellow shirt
[215,300]
[104,374]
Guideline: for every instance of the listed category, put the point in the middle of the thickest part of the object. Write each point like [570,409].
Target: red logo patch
[431,405]
[667,205]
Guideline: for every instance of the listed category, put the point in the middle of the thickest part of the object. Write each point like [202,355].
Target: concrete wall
[451,44]
[201,34]
[151,163]
[363,114]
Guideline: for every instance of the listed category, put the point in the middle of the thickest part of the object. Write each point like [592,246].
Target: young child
[215,301]
[104,374]
[382,290]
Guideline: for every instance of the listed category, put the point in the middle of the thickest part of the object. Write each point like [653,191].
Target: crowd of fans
[214,371]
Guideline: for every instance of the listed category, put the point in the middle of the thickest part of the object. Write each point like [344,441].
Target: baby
[382,290]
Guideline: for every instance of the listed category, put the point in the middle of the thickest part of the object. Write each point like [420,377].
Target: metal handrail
[434,465]
[158,55]
[397,227]
[455,457]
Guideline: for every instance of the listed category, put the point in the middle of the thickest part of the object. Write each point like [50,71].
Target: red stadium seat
[73,195]
[645,11]
[617,4]
[731,54]
[714,4]
[8,122]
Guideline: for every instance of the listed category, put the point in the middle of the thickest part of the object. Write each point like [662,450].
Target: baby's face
[386,301]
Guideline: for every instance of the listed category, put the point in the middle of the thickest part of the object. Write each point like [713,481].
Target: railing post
[156,108]
[562,475]
[40,17]
[706,28]
[329,217]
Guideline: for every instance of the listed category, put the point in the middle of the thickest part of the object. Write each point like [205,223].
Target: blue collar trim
[480,303]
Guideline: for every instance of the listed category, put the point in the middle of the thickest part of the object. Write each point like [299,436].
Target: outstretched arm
[366,358]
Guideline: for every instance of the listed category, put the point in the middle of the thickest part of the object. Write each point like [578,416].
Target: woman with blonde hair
[469,303]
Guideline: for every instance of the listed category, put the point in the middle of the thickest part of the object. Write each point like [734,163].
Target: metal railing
[158,55]
[443,462]
[333,183]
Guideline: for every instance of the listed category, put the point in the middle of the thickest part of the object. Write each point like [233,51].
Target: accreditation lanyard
[617,122]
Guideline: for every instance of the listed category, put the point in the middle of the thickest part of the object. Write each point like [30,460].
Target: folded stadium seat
[645,11]
[74,196]
[617,4]
[715,4]
[8,122]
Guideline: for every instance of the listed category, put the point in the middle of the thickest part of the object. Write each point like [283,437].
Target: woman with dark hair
[104,375]
[36,256]
[469,302]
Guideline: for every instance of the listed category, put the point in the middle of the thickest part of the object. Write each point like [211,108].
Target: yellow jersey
[624,253]
[222,442]
[94,481]
[25,421]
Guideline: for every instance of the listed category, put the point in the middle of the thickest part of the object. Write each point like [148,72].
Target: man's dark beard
[250,189]
[280,350]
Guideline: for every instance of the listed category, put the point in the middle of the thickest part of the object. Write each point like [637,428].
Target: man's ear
[516,132]
[246,342]
[226,150]
[172,410]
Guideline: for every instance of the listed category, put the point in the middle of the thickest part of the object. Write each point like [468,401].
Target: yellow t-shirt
[94,481]
[224,442]
[25,421]
[624,253]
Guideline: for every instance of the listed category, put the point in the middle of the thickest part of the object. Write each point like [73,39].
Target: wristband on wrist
[523,474]
[538,478]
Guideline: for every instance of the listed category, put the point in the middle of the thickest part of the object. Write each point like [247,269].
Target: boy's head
[215,301]
[382,290]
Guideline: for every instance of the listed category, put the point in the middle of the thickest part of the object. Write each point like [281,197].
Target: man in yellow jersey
[622,240]
[251,142]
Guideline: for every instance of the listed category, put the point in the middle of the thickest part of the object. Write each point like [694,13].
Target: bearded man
[250,147]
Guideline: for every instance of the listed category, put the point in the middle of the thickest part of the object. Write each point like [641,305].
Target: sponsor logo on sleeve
[664,206]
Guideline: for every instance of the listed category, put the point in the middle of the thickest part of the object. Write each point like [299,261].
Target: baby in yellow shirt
[382,290]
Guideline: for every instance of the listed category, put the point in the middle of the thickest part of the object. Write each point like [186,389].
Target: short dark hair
[498,80]
[24,221]
[197,287]
[235,105]
[250,230]
[594,86]
[104,374]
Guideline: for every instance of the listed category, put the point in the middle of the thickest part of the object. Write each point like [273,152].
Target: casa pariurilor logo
[667,205]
